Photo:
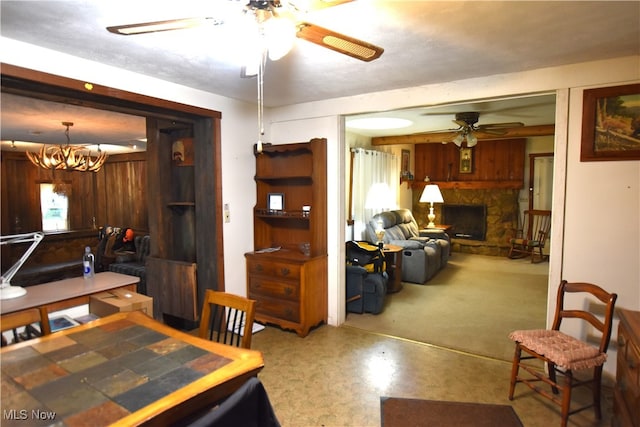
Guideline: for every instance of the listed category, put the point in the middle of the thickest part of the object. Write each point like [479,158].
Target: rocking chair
[531,238]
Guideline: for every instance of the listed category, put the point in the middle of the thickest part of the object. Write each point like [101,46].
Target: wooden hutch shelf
[287,271]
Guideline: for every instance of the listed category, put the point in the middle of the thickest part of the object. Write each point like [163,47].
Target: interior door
[540,180]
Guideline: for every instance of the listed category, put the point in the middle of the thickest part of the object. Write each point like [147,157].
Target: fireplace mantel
[471,185]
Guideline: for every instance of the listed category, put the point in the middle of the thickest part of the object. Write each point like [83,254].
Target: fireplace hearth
[469,221]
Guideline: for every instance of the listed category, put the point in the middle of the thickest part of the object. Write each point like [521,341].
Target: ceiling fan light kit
[67,157]
[467,126]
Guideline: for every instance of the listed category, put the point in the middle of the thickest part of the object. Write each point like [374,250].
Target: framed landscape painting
[611,123]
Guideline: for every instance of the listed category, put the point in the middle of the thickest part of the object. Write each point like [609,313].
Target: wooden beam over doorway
[439,137]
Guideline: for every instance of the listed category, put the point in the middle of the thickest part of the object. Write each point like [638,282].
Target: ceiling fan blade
[157,26]
[500,125]
[338,42]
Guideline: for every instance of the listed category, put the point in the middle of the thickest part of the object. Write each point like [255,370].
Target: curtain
[375,185]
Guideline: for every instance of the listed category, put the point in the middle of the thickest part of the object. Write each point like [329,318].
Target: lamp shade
[432,194]
[379,197]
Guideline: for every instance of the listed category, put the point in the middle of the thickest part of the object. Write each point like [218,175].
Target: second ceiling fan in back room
[467,127]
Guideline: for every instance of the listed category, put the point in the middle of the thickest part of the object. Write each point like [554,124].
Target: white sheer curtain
[376,176]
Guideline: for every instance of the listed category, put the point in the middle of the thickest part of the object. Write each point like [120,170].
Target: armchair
[133,263]
[366,279]
[422,256]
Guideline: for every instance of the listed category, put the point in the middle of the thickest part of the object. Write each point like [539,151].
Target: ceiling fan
[467,126]
[266,12]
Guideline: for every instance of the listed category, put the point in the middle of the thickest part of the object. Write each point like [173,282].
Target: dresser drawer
[269,287]
[275,308]
[275,269]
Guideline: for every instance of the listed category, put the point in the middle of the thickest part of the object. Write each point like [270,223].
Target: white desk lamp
[431,194]
[6,290]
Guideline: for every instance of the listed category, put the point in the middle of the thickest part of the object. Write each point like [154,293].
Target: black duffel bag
[365,255]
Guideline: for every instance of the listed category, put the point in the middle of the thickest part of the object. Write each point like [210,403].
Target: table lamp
[431,194]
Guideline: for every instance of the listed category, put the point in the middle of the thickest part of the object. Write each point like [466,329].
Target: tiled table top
[101,374]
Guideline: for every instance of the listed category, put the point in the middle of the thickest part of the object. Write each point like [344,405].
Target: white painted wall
[598,242]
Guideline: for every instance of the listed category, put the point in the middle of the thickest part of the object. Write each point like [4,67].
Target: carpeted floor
[470,306]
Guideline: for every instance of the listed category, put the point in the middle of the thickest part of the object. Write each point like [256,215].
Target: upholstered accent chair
[366,279]
[422,256]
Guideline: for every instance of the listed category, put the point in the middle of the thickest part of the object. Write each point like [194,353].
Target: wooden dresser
[626,395]
[291,289]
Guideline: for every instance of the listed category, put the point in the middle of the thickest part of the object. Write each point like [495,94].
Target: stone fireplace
[501,213]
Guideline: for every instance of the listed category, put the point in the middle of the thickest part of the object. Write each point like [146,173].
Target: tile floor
[336,376]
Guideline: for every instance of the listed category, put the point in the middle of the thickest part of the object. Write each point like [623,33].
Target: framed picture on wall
[611,123]
[466,160]
[275,201]
[405,163]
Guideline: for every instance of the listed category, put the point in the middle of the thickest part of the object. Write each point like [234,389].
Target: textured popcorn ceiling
[425,42]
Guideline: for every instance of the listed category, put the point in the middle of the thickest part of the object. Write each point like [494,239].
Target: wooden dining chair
[13,321]
[227,318]
[531,236]
[564,354]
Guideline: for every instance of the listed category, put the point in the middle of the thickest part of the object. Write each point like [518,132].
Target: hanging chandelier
[67,157]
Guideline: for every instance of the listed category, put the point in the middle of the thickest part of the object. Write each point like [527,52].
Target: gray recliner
[422,256]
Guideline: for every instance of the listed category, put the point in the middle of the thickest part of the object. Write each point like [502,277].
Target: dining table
[126,369]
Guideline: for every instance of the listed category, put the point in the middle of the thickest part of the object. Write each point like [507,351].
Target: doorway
[206,136]
[541,146]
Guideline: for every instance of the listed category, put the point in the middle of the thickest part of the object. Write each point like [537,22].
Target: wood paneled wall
[115,195]
[495,163]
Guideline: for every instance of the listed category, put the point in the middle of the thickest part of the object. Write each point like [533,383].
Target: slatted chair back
[531,237]
[564,354]
[13,321]
[603,326]
[227,319]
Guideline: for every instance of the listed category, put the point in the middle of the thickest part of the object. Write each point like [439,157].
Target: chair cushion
[525,242]
[563,350]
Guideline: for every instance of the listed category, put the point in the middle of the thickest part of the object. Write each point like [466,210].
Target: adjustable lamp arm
[35,238]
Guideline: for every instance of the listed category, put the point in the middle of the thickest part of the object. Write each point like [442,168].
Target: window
[54,207]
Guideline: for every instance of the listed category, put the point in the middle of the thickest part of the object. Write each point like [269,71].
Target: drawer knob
[259,267]
[288,291]
[288,312]
[285,271]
